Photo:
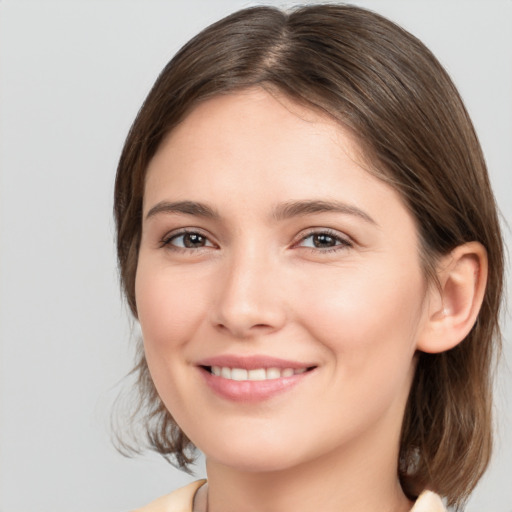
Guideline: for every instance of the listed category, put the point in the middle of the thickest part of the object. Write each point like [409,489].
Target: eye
[187,240]
[324,240]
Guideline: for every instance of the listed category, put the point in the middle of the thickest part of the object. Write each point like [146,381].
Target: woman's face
[278,288]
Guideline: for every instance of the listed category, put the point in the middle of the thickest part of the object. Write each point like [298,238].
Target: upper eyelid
[186,230]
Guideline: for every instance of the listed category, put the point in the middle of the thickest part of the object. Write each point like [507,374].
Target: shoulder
[180,500]
[428,501]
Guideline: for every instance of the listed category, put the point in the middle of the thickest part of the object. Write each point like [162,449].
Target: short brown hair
[388,89]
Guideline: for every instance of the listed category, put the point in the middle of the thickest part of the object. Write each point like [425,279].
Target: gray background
[73,75]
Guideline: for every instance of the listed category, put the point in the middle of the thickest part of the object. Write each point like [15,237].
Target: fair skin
[267,247]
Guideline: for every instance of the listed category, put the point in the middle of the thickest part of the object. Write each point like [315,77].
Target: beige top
[187,499]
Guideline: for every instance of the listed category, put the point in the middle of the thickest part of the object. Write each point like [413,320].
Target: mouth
[255,374]
[253,378]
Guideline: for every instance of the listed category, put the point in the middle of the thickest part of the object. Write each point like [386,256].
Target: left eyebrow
[297,208]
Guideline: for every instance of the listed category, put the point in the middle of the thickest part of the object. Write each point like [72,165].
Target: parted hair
[386,87]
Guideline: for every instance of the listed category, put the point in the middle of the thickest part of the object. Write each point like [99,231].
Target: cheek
[369,320]
[368,324]
[170,311]
[169,308]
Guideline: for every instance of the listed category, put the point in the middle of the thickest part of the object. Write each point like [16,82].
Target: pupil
[192,240]
[323,240]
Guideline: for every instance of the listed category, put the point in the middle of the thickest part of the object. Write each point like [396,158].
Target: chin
[258,457]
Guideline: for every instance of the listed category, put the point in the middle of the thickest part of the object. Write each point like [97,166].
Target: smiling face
[279,287]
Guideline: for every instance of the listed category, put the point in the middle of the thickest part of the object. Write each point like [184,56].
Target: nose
[249,300]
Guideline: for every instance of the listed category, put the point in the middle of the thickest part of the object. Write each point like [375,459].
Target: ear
[453,307]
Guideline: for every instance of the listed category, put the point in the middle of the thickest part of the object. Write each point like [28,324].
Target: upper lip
[252,362]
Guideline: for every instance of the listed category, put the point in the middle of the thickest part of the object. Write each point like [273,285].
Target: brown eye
[188,240]
[324,240]
[193,240]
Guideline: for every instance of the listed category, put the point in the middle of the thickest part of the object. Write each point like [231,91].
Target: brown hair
[391,92]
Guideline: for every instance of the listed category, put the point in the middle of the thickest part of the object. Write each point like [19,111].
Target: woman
[307,236]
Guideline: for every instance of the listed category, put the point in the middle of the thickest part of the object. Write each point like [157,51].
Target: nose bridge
[248,299]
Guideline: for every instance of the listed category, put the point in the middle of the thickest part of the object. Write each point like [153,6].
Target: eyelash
[341,243]
[168,239]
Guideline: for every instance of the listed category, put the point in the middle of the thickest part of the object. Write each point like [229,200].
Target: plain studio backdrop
[73,75]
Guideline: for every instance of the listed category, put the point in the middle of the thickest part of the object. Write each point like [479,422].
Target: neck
[348,480]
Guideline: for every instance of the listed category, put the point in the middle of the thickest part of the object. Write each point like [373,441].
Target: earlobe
[453,306]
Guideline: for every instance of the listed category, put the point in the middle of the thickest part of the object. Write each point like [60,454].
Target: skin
[354,304]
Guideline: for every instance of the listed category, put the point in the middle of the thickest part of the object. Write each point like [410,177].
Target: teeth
[240,374]
[273,373]
[259,374]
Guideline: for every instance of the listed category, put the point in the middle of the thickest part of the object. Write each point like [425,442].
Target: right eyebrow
[186,207]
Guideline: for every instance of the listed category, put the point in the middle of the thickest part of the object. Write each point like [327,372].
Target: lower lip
[251,390]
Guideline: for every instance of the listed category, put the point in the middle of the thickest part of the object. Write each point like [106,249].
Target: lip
[252,391]
[253,362]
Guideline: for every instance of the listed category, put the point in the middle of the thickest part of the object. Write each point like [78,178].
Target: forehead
[251,104]
[254,119]
[261,145]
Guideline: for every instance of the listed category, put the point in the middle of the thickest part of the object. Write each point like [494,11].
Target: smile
[256,374]
[251,379]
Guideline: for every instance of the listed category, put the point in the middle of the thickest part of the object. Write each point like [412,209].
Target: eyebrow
[282,211]
[186,207]
[298,208]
